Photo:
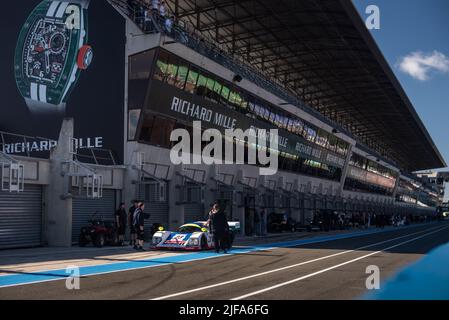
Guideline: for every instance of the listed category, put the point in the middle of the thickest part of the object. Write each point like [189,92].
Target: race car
[190,236]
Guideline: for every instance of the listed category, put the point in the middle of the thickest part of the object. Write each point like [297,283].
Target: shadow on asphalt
[38,273]
[82,254]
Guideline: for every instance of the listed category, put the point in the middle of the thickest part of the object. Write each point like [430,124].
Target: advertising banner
[62,59]
[168,100]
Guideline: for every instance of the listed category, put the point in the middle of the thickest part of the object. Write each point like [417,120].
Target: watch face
[45,51]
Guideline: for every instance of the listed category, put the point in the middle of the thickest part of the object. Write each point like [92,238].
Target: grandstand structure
[308,68]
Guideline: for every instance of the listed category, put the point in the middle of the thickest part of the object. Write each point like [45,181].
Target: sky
[414,38]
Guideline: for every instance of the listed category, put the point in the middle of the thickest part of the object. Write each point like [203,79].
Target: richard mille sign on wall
[47,145]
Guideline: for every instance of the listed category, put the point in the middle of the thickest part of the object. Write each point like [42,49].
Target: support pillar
[59,208]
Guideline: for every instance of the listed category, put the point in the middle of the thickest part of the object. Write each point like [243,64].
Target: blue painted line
[42,276]
[426,279]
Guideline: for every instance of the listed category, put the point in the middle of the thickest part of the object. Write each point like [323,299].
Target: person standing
[132,230]
[120,220]
[139,224]
[155,6]
[169,24]
[147,20]
[218,224]
[163,10]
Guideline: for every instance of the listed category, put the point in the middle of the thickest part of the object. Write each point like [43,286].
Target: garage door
[21,218]
[224,196]
[193,209]
[194,212]
[150,193]
[83,209]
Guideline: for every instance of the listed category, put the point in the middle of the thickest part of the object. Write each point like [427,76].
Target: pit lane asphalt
[344,279]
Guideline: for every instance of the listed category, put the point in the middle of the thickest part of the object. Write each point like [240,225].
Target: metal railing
[186,34]
[96,156]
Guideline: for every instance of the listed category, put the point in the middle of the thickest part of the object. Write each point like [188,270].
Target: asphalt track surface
[328,270]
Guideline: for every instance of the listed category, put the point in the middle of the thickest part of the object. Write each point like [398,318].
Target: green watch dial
[45,51]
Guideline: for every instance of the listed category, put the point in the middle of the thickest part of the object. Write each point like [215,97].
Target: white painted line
[283,268]
[331,268]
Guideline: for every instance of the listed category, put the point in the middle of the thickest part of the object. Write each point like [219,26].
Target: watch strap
[43,107]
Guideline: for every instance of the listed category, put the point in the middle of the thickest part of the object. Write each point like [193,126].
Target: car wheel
[115,240]
[82,241]
[203,244]
[99,241]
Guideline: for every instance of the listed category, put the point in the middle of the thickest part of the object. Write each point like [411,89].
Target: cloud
[420,65]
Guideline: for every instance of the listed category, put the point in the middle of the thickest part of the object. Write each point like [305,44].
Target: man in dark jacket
[132,230]
[120,221]
[139,222]
[218,224]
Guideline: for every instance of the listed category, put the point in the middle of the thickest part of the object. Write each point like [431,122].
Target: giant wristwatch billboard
[51,53]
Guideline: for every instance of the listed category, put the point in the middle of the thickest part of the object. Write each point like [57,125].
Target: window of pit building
[259,110]
[235,99]
[272,117]
[245,101]
[161,66]
[181,77]
[285,119]
[299,127]
[310,134]
[139,68]
[192,79]
[172,70]
[133,121]
[290,123]
[210,94]
[224,96]
[332,143]
[156,130]
[277,120]
[322,138]
[218,86]
[358,161]
[201,85]
[342,147]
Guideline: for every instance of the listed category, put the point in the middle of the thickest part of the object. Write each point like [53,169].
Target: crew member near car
[218,226]
[132,230]
[120,221]
[139,223]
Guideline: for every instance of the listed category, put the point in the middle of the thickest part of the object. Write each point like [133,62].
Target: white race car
[190,236]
